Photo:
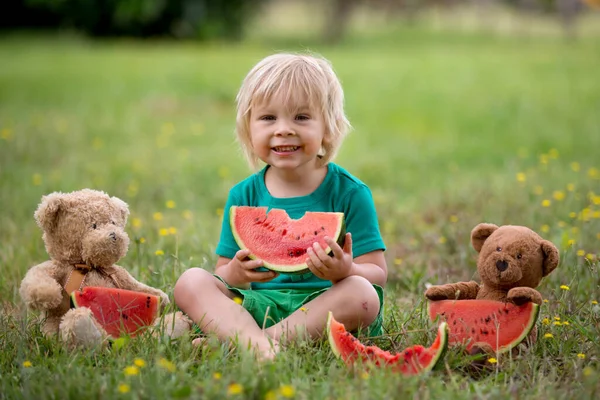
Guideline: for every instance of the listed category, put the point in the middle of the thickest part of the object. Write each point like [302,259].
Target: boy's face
[286,136]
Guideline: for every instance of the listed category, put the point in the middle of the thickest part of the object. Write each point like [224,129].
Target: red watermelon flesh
[501,325]
[119,311]
[279,241]
[411,361]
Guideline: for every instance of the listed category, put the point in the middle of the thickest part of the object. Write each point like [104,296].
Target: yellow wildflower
[598,235]
[187,214]
[545,228]
[287,391]
[553,153]
[364,375]
[546,321]
[398,261]
[492,360]
[546,203]
[590,256]
[571,187]
[594,173]
[170,204]
[548,336]
[6,134]
[557,323]
[139,362]
[159,252]
[588,371]
[594,302]
[521,177]
[142,240]
[271,395]
[303,309]
[172,230]
[581,355]
[166,364]
[453,219]
[580,253]
[27,364]
[557,318]
[442,240]
[238,300]
[566,323]
[575,166]
[124,388]
[223,172]
[234,388]
[558,195]
[157,216]
[36,179]
[220,212]
[571,242]
[565,287]
[136,222]
[131,370]
[163,231]
[217,376]
[573,214]
[545,300]
[595,199]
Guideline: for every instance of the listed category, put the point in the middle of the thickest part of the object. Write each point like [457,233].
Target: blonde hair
[295,77]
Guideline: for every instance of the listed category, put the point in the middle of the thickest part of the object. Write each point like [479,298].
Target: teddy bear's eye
[94,226]
[112,222]
[498,248]
[519,256]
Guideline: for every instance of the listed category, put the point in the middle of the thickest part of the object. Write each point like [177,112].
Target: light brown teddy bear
[84,236]
[511,264]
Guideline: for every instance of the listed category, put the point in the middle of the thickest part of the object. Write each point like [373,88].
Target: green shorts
[270,306]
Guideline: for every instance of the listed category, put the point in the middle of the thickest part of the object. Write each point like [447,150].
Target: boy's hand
[333,268]
[240,271]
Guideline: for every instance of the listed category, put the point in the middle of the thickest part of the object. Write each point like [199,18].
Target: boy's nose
[284,129]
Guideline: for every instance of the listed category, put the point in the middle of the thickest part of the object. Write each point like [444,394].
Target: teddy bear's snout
[501,265]
[113,236]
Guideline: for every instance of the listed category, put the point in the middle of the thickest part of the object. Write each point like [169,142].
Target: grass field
[450,129]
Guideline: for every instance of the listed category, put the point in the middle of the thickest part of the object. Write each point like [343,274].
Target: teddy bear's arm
[521,295]
[126,281]
[453,291]
[40,289]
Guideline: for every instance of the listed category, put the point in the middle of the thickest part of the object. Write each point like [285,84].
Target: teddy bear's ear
[122,206]
[480,233]
[46,214]
[551,257]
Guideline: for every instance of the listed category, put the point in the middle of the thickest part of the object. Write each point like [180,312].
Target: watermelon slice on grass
[281,242]
[413,360]
[501,325]
[118,311]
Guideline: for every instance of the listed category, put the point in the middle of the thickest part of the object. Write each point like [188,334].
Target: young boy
[290,116]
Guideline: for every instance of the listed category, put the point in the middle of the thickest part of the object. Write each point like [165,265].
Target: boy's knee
[189,283]
[365,300]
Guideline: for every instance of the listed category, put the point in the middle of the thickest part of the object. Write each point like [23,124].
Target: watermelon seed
[473,331]
[297,237]
[316,233]
[283,232]
[488,319]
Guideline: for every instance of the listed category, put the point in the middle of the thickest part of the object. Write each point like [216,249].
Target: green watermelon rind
[527,328]
[73,297]
[442,335]
[296,269]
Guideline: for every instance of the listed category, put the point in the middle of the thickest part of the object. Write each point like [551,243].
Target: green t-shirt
[339,192]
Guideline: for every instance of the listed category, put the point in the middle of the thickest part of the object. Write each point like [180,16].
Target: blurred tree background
[228,19]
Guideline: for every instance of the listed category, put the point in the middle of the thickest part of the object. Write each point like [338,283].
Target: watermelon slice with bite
[118,311]
[411,361]
[281,242]
[502,325]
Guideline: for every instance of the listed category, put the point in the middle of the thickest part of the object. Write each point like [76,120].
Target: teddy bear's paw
[42,296]
[173,325]
[78,328]
[435,293]
[522,295]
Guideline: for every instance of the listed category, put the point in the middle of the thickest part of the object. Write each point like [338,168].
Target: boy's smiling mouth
[285,149]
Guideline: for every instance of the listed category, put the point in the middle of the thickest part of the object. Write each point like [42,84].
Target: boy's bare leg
[208,302]
[353,302]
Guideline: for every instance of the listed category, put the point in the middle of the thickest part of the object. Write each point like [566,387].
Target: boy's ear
[47,212]
[480,233]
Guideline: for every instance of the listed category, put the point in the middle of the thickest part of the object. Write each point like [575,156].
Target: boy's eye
[267,117]
[302,117]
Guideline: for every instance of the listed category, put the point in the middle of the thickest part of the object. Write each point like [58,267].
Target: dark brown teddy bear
[512,262]
[84,236]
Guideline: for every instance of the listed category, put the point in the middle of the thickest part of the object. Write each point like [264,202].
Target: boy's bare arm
[371,266]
